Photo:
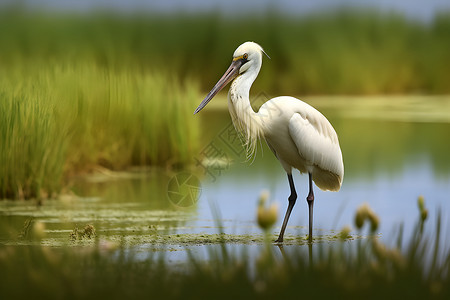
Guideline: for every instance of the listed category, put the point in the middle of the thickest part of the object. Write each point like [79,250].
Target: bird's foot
[279,241]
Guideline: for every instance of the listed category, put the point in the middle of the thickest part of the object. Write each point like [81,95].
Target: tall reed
[60,119]
[33,146]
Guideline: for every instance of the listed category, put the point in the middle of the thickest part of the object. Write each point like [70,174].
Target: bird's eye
[245,56]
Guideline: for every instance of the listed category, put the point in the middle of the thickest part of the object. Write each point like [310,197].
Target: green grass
[348,51]
[61,119]
[361,269]
[32,146]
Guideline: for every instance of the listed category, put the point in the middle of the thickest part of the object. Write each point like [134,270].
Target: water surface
[395,149]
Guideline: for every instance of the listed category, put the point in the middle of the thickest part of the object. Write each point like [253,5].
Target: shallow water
[388,162]
[395,149]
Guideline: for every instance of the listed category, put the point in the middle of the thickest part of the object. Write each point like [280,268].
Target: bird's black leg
[292,198]
[310,200]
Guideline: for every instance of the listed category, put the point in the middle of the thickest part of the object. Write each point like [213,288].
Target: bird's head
[246,59]
[249,54]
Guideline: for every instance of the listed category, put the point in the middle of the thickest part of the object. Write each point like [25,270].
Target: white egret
[299,135]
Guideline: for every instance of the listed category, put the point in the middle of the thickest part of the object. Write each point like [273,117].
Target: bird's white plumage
[299,135]
[316,142]
[302,138]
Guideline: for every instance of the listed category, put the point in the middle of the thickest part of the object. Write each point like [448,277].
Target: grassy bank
[59,119]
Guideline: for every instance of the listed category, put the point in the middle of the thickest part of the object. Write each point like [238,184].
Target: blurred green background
[334,52]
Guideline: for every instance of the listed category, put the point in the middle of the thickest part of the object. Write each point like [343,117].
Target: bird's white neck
[245,119]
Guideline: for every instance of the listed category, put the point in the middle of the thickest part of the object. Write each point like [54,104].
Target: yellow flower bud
[374,221]
[421,203]
[361,215]
[424,214]
[266,216]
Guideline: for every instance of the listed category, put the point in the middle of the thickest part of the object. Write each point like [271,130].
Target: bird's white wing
[318,144]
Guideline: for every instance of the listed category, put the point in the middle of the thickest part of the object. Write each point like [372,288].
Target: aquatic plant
[372,270]
[266,216]
[33,144]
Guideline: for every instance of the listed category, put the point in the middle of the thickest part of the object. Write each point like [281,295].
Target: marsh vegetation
[370,270]
[96,118]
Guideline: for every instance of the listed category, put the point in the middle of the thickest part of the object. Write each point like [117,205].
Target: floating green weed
[88,232]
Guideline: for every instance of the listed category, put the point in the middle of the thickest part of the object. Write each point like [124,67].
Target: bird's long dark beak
[229,75]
